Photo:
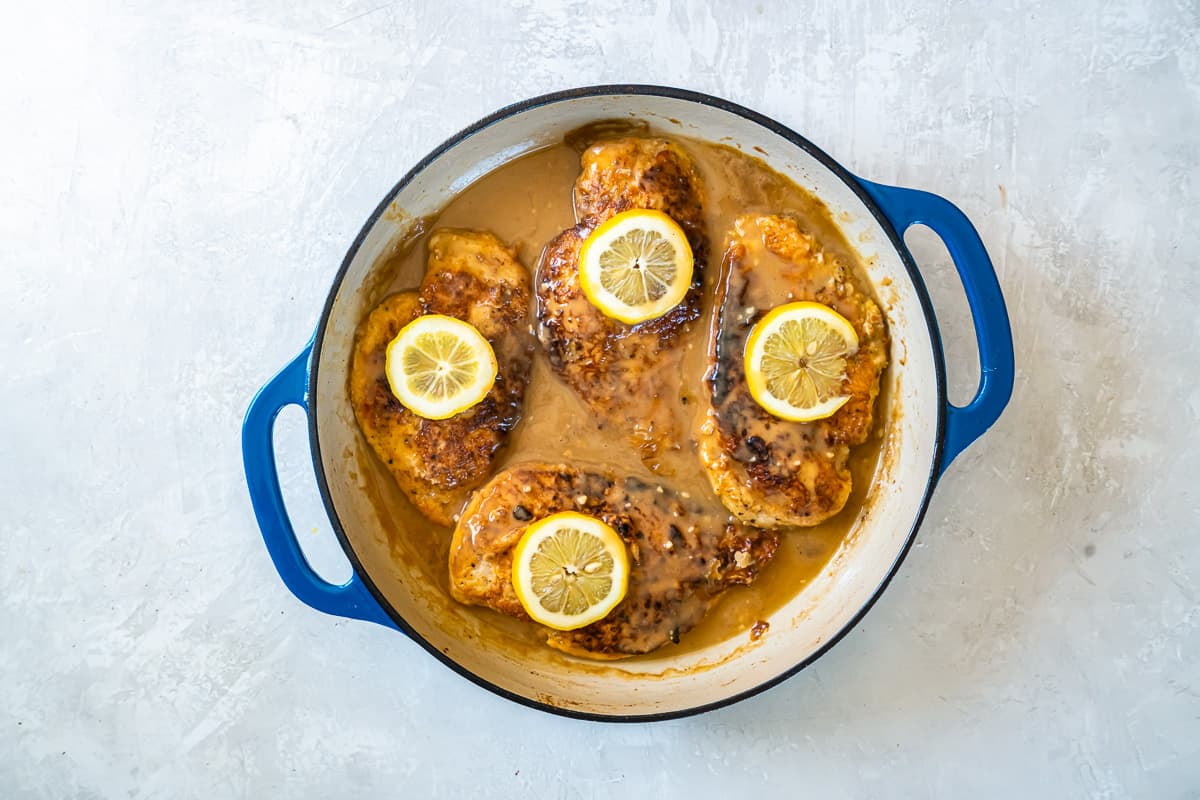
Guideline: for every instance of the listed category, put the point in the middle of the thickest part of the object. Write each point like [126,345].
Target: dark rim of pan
[619,90]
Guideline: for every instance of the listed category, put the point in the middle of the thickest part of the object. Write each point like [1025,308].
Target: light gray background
[178,182]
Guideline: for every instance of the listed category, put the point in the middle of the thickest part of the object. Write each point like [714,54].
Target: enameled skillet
[926,434]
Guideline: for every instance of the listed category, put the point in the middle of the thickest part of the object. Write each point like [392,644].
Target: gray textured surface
[179,182]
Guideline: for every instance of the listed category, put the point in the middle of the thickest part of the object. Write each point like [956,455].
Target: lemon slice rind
[585,547]
[439,366]
[660,248]
[829,339]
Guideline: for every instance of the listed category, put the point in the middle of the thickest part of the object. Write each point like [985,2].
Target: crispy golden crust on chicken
[618,369]
[624,174]
[682,556]
[471,276]
[768,471]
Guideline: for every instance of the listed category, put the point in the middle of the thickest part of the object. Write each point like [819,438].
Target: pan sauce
[526,203]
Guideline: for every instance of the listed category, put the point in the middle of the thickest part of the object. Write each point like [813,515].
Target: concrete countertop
[180,181]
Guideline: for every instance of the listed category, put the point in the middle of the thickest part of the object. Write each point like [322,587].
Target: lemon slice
[440,366]
[796,361]
[569,570]
[636,266]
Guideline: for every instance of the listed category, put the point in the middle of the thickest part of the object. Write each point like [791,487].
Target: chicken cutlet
[624,373]
[768,471]
[682,555]
[472,276]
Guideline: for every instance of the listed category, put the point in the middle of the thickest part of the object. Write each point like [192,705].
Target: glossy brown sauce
[527,202]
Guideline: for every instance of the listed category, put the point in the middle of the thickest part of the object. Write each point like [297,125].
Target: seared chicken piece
[768,471]
[682,556]
[623,372]
[475,277]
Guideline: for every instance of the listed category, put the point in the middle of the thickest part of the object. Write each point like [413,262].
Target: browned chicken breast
[623,372]
[768,471]
[682,556]
[475,277]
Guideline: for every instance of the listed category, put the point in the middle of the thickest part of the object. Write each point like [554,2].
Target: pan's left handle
[350,599]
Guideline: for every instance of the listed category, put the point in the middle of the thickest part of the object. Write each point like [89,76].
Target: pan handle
[352,598]
[993,333]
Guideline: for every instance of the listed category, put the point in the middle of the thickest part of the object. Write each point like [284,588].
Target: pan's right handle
[907,207]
